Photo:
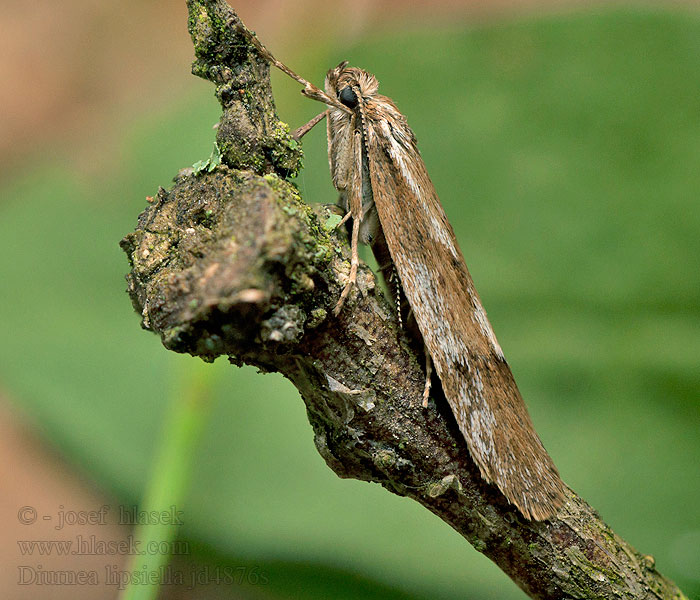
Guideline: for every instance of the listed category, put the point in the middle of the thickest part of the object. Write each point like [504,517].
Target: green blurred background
[565,148]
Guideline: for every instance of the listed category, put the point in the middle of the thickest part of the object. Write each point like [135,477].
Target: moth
[386,190]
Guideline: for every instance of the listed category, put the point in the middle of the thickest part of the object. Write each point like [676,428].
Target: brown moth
[385,188]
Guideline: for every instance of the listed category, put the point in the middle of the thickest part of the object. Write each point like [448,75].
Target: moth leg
[428,376]
[410,314]
[344,219]
[356,213]
[300,132]
[354,263]
[310,90]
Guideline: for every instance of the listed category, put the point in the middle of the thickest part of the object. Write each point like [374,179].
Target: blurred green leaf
[332,222]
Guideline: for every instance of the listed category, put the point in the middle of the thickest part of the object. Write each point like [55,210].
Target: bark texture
[230,261]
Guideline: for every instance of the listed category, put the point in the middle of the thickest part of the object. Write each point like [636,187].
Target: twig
[232,262]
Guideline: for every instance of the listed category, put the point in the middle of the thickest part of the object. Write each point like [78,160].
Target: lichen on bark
[250,136]
[230,261]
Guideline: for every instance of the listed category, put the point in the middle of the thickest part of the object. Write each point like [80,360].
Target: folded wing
[475,377]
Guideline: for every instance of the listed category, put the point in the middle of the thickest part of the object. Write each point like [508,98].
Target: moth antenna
[310,90]
[428,376]
[268,56]
[395,277]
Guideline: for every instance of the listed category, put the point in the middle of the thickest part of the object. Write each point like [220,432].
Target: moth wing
[475,377]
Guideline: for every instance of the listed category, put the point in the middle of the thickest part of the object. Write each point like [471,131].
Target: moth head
[350,85]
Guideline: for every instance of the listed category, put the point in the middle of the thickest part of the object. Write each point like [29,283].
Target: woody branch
[230,261]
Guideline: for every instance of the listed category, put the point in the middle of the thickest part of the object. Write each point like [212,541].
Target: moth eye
[348,97]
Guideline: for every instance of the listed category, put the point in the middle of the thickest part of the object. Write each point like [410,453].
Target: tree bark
[230,261]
